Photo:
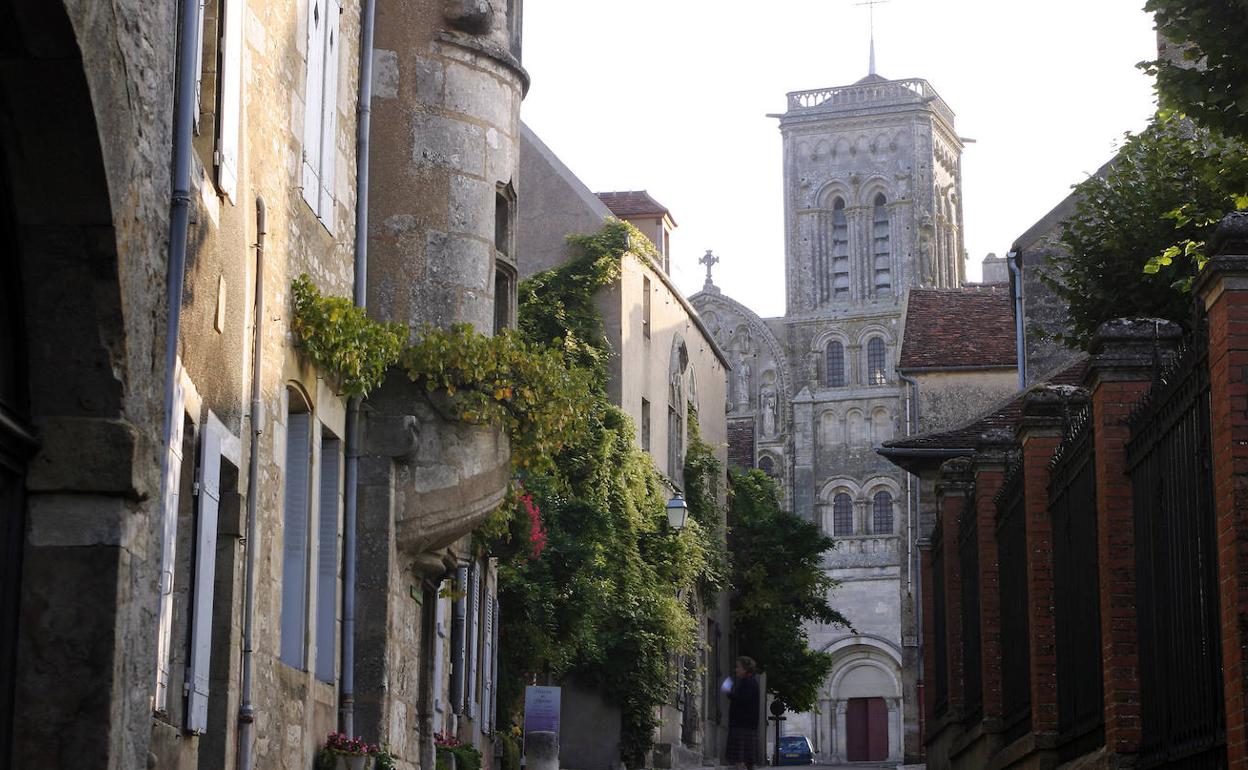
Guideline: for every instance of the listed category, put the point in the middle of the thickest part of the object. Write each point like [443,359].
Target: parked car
[795,750]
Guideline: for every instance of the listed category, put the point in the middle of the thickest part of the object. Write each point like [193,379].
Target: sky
[672,96]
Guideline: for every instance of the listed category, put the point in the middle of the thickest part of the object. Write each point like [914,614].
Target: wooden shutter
[294,630]
[474,638]
[439,651]
[329,115]
[168,542]
[327,561]
[231,85]
[199,64]
[491,665]
[205,576]
[314,87]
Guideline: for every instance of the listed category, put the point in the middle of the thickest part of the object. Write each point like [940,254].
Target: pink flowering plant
[342,745]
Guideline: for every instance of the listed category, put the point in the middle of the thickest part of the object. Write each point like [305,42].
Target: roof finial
[871,9]
[710,260]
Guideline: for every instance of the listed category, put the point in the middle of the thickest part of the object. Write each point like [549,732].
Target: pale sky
[672,96]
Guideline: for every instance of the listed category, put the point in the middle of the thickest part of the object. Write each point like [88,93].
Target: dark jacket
[743,702]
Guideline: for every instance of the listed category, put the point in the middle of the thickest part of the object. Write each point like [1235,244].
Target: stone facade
[873,208]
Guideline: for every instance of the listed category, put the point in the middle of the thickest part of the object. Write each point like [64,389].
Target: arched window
[877,372]
[882,513]
[881,254]
[767,465]
[835,365]
[840,252]
[842,515]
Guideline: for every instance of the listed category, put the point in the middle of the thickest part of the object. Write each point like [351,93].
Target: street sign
[541,709]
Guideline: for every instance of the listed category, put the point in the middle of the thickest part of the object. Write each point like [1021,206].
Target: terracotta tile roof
[972,326]
[962,439]
[633,203]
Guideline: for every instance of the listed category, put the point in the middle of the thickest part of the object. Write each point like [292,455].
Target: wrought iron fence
[1169,459]
[1015,632]
[1077,610]
[940,628]
[968,559]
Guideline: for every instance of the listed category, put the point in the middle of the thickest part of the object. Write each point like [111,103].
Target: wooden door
[866,728]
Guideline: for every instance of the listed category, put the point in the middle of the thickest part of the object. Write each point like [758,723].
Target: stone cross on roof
[710,261]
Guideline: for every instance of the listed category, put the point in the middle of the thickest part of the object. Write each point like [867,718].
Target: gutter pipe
[346,703]
[246,709]
[1013,259]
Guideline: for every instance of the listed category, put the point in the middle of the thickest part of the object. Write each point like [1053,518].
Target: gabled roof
[958,328]
[634,203]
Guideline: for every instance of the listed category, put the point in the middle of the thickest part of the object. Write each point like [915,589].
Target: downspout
[179,222]
[246,710]
[346,703]
[913,555]
[1014,260]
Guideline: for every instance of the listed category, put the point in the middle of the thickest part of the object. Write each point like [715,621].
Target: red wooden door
[866,728]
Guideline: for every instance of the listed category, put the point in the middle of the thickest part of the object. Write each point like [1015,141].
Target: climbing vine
[339,338]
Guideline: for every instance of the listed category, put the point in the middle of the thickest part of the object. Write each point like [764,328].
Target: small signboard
[541,709]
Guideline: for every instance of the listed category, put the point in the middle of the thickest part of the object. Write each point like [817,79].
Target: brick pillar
[1223,287]
[952,489]
[991,456]
[1124,354]
[1046,410]
[927,580]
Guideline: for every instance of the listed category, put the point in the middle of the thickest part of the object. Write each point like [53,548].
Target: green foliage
[510,750]
[341,339]
[1136,239]
[703,479]
[601,605]
[466,757]
[1210,82]
[780,586]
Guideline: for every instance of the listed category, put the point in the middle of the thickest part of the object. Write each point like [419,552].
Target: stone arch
[856,432]
[882,425]
[831,428]
[825,197]
[863,666]
[873,186]
[828,495]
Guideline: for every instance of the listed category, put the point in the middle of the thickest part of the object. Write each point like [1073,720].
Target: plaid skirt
[742,745]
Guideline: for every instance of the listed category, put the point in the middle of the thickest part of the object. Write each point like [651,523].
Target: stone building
[664,365]
[873,209]
[218,616]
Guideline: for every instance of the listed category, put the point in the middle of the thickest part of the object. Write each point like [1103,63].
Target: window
[882,513]
[320,108]
[881,255]
[502,222]
[504,265]
[842,515]
[218,87]
[840,252]
[645,306]
[767,465]
[645,425]
[835,356]
[327,514]
[296,520]
[504,296]
[172,489]
[876,369]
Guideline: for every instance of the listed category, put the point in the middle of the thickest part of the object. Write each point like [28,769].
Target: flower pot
[349,762]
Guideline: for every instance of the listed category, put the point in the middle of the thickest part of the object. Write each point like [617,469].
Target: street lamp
[677,512]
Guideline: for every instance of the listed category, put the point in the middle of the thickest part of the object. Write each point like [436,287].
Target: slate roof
[951,328]
[961,440]
[633,203]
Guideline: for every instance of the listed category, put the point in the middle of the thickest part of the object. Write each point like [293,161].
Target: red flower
[537,532]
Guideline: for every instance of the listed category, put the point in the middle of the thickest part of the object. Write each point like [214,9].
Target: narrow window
[882,513]
[645,425]
[842,515]
[835,365]
[502,223]
[320,108]
[840,252]
[327,513]
[767,465]
[504,296]
[168,550]
[876,371]
[881,254]
[295,531]
[204,580]
[504,265]
[645,306]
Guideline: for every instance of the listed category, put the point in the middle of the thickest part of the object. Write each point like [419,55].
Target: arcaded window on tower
[842,515]
[835,365]
[877,374]
[840,252]
[767,465]
[882,513]
[881,254]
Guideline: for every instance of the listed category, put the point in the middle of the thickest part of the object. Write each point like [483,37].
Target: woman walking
[743,706]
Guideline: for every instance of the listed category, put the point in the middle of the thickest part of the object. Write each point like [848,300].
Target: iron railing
[1169,459]
[968,562]
[1015,627]
[1076,582]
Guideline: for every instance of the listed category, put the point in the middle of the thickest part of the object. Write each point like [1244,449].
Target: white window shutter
[231,85]
[294,619]
[329,115]
[439,647]
[474,638]
[327,561]
[492,713]
[168,545]
[199,65]
[205,576]
[487,665]
[314,87]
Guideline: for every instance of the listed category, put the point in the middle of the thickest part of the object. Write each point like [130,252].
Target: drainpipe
[1014,260]
[346,703]
[459,628]
[246,710]
[179,221]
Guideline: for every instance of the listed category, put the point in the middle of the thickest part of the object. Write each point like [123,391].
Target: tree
[1136,239]
[1207,79]
[780,586]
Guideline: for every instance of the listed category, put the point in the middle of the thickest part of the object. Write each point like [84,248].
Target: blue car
[795,750]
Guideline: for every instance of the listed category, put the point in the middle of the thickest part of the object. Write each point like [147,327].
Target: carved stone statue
[767,402]
[743,381]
